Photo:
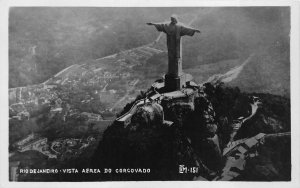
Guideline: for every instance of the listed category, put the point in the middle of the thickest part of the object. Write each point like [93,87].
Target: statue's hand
[149,23]
[197,31]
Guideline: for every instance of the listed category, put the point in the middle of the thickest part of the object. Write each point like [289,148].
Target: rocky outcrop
[201,129]
[147,116]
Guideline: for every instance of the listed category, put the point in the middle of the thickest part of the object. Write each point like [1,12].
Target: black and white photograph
[150,93]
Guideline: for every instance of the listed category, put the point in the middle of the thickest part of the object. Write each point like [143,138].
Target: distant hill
[43,41]
[266,73]
[230,35]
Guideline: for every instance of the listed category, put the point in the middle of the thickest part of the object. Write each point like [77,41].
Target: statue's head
[174,19]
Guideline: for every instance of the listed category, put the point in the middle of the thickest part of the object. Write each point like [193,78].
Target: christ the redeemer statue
[174,79]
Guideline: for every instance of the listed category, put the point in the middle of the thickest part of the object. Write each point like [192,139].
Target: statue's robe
[174,34]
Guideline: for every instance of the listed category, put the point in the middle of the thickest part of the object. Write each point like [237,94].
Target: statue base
[175,83]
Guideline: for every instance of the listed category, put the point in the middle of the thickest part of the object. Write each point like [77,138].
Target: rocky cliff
[201,129]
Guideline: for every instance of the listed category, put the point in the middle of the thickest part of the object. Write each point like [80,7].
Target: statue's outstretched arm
[188,31]
[150,23]
[197,30]
[158,26]
[191,28]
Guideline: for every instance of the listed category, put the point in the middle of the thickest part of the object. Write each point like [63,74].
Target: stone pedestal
[174,83]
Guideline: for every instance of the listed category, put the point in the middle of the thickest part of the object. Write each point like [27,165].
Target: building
[32,141]
[112,91]
[23,115]
[34,144]
[92,116]
[25,140]
[49,86]
[56,110]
